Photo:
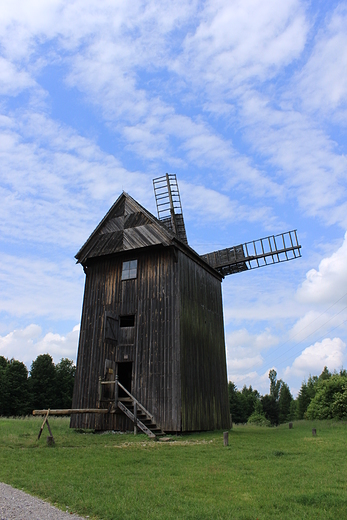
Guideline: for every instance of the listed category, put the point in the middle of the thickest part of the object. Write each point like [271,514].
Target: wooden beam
[70,411]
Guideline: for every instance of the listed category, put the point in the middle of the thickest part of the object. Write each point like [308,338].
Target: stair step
[127,403]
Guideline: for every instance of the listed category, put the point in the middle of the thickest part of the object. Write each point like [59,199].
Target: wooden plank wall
[205,404]
[154,341]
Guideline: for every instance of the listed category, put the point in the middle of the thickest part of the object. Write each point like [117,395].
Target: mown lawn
[263,473]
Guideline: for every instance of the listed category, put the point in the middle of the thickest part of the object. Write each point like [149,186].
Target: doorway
[125,371]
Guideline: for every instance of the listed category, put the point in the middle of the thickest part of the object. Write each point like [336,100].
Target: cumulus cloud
[244,350]
[312,360]
[327,284]
[26,344]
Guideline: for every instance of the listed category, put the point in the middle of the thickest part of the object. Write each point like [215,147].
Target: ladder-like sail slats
[169,208]
[273,249]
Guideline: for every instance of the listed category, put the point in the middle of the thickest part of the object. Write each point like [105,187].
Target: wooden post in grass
[290,425]
[314,432]
[50,441]
[226,438]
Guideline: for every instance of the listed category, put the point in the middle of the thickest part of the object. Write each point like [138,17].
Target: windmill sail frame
[272,249]
[169,207]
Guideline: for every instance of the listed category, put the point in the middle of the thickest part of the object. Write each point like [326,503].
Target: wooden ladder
[137,413]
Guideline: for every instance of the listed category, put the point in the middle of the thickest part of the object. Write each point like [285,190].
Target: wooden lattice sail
[272,249]
[169,207]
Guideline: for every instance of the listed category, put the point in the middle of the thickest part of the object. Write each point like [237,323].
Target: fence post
[116,392]
[290,425]
[100,390]
[226,438]
[314,432]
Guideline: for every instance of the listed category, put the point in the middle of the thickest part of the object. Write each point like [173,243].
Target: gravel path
[17,505]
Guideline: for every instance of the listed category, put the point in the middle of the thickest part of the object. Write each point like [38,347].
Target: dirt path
[17,505]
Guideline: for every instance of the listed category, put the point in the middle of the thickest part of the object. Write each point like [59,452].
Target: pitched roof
[126,226]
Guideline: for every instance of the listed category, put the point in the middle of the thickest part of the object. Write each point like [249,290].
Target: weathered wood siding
[205,403]
[152,345]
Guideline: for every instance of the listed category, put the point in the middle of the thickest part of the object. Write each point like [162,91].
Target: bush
[258,417]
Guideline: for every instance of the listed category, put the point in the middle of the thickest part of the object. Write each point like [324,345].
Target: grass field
[263,473]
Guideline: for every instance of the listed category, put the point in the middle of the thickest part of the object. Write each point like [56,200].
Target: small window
[129,270]
[111,327]
[127,321]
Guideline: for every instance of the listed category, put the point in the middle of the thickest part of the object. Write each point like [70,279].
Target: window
[127,321]
[111,327]
[129,270]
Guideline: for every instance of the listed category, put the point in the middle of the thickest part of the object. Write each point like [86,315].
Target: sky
[245,100]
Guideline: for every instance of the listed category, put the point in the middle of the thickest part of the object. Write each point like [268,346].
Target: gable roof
[126,226]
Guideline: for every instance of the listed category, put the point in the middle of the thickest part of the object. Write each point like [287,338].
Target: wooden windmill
[151,349]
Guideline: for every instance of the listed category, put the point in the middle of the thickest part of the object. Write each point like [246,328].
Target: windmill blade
[169,208]
[273,249]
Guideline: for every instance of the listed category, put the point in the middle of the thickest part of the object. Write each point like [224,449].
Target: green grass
[263,473]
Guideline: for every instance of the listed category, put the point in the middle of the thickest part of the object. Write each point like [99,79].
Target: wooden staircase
[131,407]
[140,417]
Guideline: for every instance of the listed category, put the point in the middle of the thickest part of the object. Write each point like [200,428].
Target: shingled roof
[126,226]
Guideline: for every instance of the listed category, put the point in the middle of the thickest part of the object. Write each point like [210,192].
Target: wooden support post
[226,438]
[135,418]
[43,425]
[50,440]
[116,388]
[290,425]
[99,391]
[314,432]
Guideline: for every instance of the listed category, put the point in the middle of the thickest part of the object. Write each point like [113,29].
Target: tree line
[51,386]
[46,385]
[320,397]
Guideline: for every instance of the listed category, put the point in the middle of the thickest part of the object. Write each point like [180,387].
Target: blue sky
[245,101]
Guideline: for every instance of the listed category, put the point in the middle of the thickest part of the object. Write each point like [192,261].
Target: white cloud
[244,350]
[12,80]
[258,381]
[55,184]
[322,83]
[242,40]
[26,344]
[38,287]
[313,172]
[329,283]
[312,360]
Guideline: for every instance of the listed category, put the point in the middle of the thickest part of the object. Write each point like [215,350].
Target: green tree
[42,382]
[325,375]
[306,394]
[339,406]
[258,416]
[328,402]
[241,403]
[271,409]
[270,402]
[64,377]
[284,401]
[275,386]
[3,385]
[17,388]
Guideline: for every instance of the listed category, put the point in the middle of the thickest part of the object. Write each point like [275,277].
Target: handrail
[135,400]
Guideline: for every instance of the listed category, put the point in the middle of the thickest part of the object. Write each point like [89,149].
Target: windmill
[151,348]
[272,249]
